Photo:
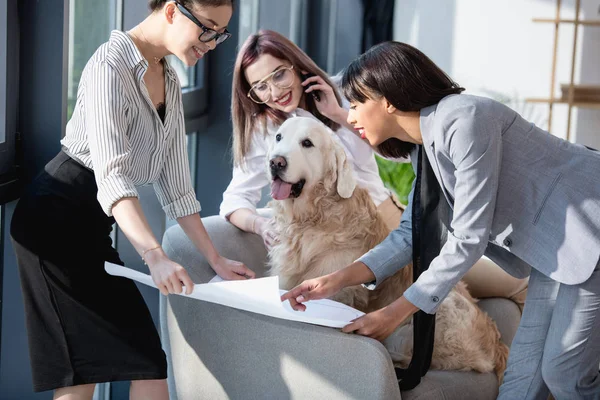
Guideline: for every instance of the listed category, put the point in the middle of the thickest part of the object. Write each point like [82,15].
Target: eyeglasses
[283,78]
[207,34]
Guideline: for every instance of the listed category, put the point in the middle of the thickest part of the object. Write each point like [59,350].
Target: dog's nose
[278,164]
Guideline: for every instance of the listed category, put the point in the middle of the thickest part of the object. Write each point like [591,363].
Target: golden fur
[322,232]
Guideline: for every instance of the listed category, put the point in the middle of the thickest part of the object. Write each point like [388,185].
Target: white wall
[492,47]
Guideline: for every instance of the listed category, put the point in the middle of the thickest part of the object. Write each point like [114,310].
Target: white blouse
[116,131]
[246,185]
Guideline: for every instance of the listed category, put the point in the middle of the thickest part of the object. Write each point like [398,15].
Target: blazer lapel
[426,123]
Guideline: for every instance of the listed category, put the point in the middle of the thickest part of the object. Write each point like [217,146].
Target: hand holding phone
[315,93]
[326,100]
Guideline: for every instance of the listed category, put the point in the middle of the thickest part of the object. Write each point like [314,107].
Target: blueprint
[261,296]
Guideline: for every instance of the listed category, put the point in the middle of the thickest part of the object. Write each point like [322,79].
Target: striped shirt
[116,131]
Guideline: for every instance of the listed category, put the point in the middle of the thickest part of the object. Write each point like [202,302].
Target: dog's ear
[345,178]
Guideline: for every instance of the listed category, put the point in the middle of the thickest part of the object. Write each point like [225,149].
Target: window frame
[195,108]
[195,98]
[10,183]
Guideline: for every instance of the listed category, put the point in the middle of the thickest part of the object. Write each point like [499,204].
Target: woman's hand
[313,289]
[328,285]
[167,275]
[265,227]
[231,270]
[381,323]
[327,104]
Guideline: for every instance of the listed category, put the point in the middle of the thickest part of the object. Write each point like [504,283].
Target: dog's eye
[307,143]
[278,137]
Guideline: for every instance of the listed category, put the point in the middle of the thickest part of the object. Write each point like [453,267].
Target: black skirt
[84,325]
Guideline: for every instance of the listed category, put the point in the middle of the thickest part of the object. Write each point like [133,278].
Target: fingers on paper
[163,289]
[168,285]
[242,271]
[295,305]
[249,273]
[175,284]
[295,292]
[297,296]
[358,326]
[186,280]
[236,276]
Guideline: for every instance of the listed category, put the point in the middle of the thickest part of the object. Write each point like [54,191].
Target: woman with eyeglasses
[127,130]
[272,82]
[268,87]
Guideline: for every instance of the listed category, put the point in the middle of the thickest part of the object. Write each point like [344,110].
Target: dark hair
[402,74]
[158,4]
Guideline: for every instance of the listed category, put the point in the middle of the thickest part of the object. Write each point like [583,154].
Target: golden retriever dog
[326,222]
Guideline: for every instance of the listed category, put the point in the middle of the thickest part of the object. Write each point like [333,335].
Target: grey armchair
[216,352]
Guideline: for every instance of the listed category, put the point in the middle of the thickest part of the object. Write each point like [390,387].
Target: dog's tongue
[280,190]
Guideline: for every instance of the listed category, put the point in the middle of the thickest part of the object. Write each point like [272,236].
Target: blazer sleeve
[395,252]
[474,145]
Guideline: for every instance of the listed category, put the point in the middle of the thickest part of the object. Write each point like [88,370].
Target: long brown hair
[402,74]
[247,116]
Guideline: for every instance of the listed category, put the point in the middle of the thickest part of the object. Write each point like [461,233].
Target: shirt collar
[133,57]
[170,71]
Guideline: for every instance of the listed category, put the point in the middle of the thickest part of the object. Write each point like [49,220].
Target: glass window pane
[90,24]
[192,148]
[187,75]
[3,65]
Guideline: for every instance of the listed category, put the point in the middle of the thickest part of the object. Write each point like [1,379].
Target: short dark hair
[158,4]
[402,74]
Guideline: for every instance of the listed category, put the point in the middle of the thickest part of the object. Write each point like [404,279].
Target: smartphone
[316,94]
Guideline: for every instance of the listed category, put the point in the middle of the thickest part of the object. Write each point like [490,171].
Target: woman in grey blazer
[528,200]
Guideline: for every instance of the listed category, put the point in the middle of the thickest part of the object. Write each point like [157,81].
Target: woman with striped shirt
[127,130]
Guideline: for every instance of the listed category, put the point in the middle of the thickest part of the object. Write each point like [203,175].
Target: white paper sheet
[261,296]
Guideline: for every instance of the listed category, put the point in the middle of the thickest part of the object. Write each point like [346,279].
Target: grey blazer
[519,195]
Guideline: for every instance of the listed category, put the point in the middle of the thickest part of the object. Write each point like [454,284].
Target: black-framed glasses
[207,34]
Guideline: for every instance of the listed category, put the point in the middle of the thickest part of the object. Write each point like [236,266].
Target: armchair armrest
[219,352]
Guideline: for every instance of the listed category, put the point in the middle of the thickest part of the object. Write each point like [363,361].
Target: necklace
[156,59]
